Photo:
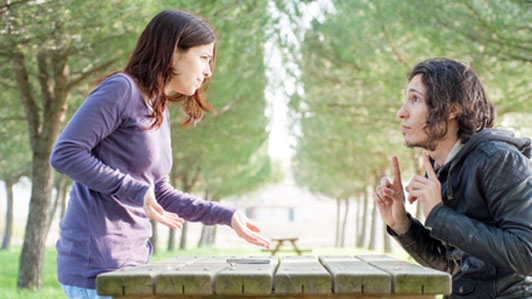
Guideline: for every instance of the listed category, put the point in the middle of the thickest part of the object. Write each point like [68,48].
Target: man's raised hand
[390,201]
[426,190]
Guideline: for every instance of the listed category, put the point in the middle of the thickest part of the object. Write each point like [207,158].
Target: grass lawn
[10,260]
[9,274]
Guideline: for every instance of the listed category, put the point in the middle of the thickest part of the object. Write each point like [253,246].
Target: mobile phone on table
[248,261]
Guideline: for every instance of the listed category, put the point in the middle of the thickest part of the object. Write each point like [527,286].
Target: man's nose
[401,113]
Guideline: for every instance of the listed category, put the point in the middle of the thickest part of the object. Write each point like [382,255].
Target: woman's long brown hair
[150,63]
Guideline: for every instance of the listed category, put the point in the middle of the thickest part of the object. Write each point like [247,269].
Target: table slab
[363,276]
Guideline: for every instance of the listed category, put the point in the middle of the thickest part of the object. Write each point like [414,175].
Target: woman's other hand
[155,212]
[248,231]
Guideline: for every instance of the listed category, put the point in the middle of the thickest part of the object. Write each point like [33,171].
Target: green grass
[9,273]
[9,261]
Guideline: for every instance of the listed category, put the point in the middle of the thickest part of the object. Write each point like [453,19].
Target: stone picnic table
[362,276]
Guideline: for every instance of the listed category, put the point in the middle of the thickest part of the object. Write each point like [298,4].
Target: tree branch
[10,118]
[7,84]
[334,58]
[495,36]
[55,109]
[80,77]
[395,50]
[8,4]
[226,7]
[26,94]
[4,7]
[226,108]
[44,79]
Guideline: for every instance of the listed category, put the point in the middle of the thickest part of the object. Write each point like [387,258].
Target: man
[477,192]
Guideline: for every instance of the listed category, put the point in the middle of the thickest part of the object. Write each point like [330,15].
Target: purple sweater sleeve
[99,116]
[190,208]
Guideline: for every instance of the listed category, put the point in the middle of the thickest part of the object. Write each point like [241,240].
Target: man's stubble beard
[429,144]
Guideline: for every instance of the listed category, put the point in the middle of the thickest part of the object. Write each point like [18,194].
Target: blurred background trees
[349,67]
[352,74]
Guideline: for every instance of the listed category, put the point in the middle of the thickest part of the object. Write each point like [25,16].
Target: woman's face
[192,68]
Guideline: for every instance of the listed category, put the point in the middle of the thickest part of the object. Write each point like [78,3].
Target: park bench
[364,276]
[277,246]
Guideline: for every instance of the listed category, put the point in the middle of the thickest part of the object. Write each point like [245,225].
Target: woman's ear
[175,56]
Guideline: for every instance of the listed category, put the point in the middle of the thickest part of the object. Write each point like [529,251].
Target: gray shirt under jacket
[113,158]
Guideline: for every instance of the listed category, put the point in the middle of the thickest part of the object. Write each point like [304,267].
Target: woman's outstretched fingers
[173,216]
[252,226]
[247,230]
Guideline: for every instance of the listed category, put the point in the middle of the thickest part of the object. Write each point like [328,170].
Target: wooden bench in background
[364,276]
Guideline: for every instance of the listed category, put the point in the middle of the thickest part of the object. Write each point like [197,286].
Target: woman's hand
[390,200]
[248,231]
[156,212]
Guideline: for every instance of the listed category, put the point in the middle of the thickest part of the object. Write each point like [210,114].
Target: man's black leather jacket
[482,231]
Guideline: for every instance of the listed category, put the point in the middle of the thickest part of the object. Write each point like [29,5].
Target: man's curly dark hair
[450,83]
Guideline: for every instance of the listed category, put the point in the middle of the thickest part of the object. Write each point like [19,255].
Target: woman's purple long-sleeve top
[113,159]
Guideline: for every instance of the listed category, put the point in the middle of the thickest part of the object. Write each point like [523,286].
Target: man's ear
[454,111]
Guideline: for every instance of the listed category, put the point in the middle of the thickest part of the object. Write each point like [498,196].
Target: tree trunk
[364,221]
[418,169]
[372,237]
[419,212]
[44,124]
[356,232]
[6,242]
[204,235]
[60,186]
[212,236]
[171,239]
[171,232]
[344,225]
[387,242]
[205,229]
[154,237]
[338,214]
[32,256]
[187,184]
[63,203]
[183,240]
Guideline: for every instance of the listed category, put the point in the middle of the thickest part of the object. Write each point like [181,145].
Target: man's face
[413,114]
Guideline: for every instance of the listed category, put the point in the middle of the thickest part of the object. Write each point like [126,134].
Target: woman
[117,150]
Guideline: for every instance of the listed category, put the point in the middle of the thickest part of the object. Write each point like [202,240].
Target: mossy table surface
[362,276]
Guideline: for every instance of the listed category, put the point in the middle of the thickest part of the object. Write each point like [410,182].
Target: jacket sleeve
[506,178]
[423,248]
[98,117]
[190,208]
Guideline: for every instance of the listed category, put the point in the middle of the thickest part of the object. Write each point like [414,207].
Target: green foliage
[92,37]
[15,154]
[353,73]
[228,147]
[99,37]
[92,34]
